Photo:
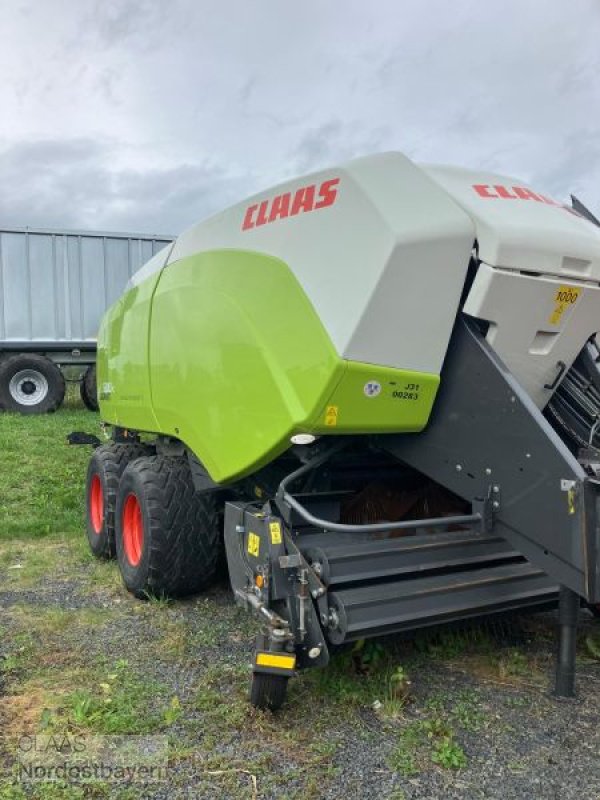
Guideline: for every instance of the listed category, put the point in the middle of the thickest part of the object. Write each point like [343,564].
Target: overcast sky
[147,115]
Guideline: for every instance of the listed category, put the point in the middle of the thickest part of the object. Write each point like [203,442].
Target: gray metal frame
[39,346]
[486,439]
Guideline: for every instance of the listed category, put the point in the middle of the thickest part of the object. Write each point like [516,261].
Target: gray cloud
[149,115]
[71,184]
[332,142]
[580,156]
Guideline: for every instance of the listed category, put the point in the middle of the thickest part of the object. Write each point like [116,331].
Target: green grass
[123,703]
[430,740]
[42,476]
[433,739]
[63,791]
[46,791]
[447,753]
[369,675]
[51,682]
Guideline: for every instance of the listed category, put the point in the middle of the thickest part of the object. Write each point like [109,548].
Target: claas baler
[378,386]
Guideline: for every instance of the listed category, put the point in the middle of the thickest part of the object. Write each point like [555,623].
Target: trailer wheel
[106,466]
[31,384]
[88,389]
[167,534]
[268,691]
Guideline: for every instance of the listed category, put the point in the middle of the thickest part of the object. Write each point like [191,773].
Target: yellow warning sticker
[331,416]
[253,544]
[565,297]
[275,529]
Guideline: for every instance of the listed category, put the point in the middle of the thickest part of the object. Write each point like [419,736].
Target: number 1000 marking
[567,296]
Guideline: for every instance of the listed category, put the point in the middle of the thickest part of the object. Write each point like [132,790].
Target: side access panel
[487,439]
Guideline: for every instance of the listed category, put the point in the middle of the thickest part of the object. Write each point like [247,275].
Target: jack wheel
[268,691]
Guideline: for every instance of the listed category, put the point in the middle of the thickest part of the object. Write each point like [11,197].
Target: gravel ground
[485,690]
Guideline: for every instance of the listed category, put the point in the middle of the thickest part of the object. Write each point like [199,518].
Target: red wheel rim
[133,530]
[96,504]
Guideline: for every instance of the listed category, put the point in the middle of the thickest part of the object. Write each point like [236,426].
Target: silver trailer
[54,288]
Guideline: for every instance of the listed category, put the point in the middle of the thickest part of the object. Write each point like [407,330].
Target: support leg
[568,614]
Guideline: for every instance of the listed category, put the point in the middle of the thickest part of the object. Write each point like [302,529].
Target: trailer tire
[30,383]
[107,464]
[268,691]
[88,389]
[167,534]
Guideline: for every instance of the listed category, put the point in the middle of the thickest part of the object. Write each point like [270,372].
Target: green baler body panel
[224,351]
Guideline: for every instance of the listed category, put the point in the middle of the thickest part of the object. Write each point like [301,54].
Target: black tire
[88,389]
[167,535]
[106,466]
[31,384]
[268,691]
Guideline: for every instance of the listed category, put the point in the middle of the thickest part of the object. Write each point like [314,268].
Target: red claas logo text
[512,193]
[290,204]
[499,192]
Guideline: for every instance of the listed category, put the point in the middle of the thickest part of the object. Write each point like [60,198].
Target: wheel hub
[133,530]
[96,504]
[28,387]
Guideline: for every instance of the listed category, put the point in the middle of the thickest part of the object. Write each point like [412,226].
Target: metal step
[392,606]
[343,558]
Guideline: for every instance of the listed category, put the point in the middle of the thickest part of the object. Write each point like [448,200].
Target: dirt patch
[21,713]
[79,654]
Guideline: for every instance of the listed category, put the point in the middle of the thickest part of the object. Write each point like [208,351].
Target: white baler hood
[544,236]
